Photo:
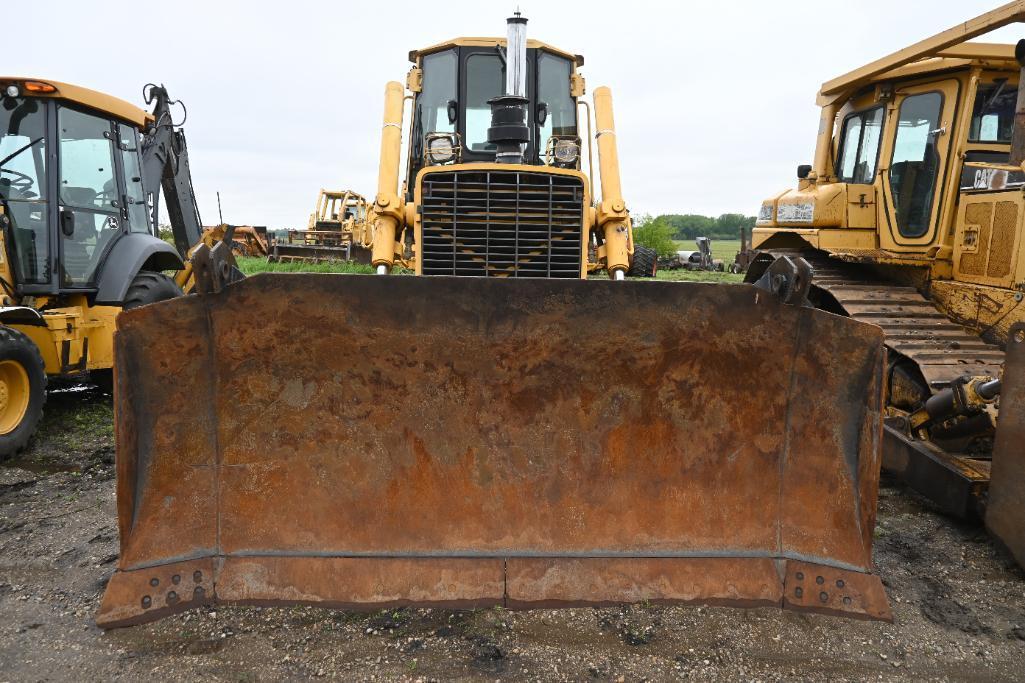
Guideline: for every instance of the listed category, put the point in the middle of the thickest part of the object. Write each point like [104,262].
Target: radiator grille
[502,224]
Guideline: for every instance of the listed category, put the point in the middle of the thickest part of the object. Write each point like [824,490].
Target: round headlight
[566,152]
[441,150]
[12,91]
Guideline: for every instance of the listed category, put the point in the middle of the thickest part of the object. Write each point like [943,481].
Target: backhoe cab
[80,174]
[493,183]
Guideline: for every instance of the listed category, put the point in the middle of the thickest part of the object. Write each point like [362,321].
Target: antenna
[220,216]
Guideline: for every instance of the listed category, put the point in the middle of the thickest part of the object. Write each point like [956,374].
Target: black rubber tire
[149,288]
[15,346]
[645,262]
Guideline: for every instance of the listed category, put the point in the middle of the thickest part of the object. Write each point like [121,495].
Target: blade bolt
[824,596]
[146,602]
[197,576]
[819,580]
[799,592]
[154,582]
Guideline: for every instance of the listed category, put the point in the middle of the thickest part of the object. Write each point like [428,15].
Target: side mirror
[542,113]
[67,222]
[453,111]
[803,171]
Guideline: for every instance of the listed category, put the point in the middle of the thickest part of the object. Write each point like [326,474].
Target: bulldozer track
[913,326]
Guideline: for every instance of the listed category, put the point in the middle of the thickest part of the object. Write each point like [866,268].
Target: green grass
[254,265]
[698,276]
[721,249]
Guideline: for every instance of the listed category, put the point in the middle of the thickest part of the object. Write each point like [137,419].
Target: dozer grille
[502,224]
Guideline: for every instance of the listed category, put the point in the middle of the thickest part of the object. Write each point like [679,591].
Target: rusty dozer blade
[1005,516]
[369,442]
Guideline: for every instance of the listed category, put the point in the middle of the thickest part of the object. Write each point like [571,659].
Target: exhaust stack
[509,131]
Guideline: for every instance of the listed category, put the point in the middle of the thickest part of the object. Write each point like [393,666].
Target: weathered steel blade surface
[1005,509]
[373,441]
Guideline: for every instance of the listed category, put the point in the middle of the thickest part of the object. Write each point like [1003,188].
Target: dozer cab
[912,216]
[496,430]
[337,231]
[80,175]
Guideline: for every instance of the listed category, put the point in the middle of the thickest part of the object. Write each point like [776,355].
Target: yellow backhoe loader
[337,231]
[912,216]
[512,433]
[80,175]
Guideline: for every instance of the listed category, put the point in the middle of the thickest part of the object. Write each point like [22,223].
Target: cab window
[485,80]
[135,197]
[553,82]
[915,165]
[89,190]
[432,103]
[993,115]
[859,146]
[23,174]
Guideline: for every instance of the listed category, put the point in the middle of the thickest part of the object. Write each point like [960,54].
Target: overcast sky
[714,101]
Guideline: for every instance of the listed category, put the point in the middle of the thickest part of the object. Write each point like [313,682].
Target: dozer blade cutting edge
[368,442]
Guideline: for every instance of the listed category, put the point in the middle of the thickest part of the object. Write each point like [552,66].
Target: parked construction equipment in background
[338,230]
[521,439]
[80,177]
[912,215]
[247,241]
[699,260]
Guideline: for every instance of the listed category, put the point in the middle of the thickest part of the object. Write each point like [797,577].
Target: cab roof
[414,55]
[989,56]
[116,107]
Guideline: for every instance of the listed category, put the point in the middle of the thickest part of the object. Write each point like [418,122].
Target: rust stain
[627,433]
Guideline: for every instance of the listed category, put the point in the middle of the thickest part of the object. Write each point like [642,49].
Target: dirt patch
[959,605]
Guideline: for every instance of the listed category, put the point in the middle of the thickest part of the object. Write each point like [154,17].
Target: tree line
[660,232]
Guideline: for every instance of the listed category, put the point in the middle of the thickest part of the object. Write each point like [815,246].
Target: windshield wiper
[993,98]
[31,144]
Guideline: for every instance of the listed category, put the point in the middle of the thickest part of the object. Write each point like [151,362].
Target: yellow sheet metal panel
[988,238]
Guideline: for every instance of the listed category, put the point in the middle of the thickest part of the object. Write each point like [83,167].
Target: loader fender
[131,253]
[368,442]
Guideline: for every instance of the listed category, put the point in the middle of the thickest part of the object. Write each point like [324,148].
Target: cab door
[920,131]
[90,194]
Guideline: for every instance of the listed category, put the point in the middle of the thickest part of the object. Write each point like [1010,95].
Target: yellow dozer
[511,433]
[337,231]
[912,217]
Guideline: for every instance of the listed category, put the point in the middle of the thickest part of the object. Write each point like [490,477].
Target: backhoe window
[485,80]
[859,146]
[915,163]
[23,185]
[135,197]
[553,89]
[88,188]
[993,116]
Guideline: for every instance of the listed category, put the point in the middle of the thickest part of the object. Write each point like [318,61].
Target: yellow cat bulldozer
[80,176]
[337,231]
[512,433]
[912,217]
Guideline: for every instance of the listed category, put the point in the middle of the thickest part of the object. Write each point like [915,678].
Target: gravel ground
[959,605]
